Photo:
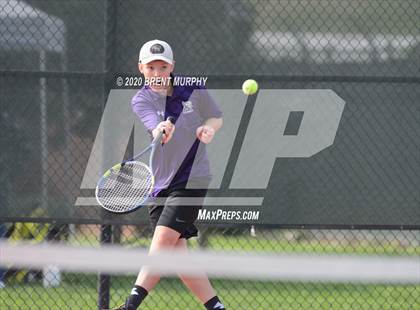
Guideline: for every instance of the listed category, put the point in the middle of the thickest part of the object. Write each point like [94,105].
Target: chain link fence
[59,60]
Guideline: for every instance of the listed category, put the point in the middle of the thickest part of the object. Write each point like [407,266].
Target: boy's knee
[165,237]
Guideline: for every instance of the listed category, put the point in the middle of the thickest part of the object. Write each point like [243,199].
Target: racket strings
[125,188]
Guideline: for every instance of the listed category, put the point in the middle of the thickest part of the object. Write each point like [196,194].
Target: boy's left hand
[205,134]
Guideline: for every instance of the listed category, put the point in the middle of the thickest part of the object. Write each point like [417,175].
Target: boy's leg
[199,284]
[163,237]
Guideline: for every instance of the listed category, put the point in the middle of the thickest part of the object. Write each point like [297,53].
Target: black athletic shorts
[174,212]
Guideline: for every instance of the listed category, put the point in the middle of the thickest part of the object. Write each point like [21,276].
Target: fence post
[104,280]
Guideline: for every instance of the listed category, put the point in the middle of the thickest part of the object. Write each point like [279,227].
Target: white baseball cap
[156,50]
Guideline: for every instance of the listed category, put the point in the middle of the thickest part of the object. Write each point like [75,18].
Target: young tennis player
[180,165]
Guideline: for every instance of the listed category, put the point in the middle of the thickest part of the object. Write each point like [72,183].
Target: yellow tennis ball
[250,87]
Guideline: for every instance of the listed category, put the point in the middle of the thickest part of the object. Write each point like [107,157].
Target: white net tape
[271,267]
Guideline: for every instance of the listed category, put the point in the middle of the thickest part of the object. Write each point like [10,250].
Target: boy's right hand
[169,130]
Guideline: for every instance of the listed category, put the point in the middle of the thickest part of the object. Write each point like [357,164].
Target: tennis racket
[126,186]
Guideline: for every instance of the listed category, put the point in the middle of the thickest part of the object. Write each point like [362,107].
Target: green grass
[280,244]
[263,244]
[79,292]
[275,242]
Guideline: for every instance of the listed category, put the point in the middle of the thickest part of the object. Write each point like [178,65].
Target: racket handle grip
[160,134]
[158,138]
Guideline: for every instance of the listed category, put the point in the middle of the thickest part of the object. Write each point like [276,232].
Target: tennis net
[262,279]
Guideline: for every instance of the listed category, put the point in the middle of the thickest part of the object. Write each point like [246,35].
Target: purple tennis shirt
[184,157]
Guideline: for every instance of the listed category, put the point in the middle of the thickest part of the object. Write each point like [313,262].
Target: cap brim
[157,57]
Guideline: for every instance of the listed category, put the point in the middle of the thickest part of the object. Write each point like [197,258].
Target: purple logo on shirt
[187,107]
